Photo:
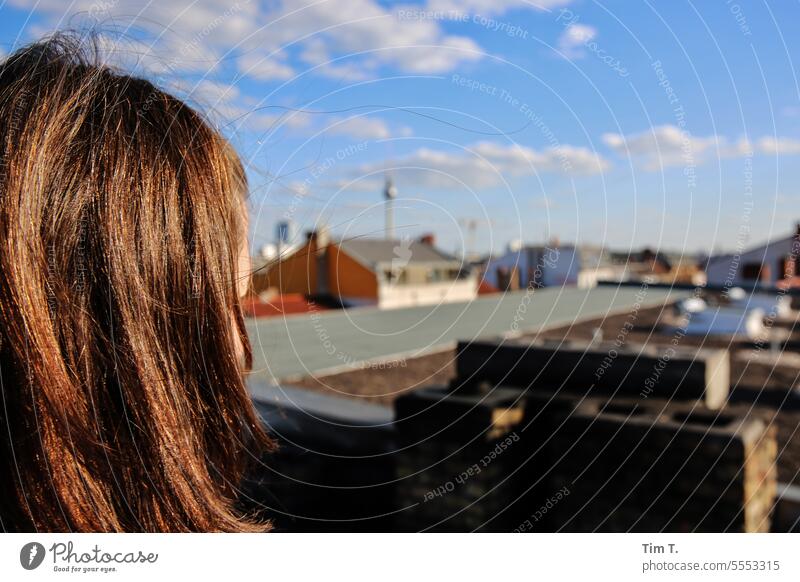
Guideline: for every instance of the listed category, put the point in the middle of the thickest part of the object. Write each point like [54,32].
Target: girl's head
[123,348]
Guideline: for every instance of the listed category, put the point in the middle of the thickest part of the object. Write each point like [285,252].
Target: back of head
[121,219]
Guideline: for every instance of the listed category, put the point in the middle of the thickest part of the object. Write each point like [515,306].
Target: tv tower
[389,194]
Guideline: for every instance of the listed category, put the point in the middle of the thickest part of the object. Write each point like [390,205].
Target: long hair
[123,404]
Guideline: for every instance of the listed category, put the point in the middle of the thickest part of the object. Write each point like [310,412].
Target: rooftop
[323,342]
[372,251]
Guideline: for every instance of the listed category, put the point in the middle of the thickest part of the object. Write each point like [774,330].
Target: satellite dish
[737,294]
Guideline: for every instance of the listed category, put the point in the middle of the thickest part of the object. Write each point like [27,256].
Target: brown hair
[123,400]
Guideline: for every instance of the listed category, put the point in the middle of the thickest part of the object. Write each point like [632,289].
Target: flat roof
[323,342]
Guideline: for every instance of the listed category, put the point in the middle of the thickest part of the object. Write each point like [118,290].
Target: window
[507,279]
[754,272]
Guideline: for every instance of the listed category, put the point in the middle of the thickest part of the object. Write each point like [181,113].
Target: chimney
[428,239]
[320,237]
[318,241]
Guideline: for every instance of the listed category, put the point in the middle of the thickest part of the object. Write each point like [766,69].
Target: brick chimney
[428,239]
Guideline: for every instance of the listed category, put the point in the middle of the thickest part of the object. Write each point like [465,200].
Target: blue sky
[672,124]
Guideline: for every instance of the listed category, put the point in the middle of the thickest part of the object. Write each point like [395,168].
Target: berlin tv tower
[389,194]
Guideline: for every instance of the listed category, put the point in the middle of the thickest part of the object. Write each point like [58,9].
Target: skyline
[499,112]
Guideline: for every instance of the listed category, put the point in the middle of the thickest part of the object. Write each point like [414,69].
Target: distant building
[768,264]
[285,232]
[655,266]
[597,264]
[533,265]
[369,271]
[584,266]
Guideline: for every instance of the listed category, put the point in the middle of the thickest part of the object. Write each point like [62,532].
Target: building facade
[534,266]
[364,271]
[766,265]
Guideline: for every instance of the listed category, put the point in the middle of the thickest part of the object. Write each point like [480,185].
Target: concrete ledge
[657,371]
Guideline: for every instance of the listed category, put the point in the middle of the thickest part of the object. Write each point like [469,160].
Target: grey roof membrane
[371,251]
[285,348]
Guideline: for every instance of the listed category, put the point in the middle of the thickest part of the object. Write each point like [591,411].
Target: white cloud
[264,67]
[188,35]
[378,33]
[214,92]
[485,164]
[669,146]
[664,145]
[357,184]
[217,100]
[259,121]
[779,146]
[196,34]
[315,53]
[358,127]
[521,160]
[492,7]
[363,128]
[574,38]
[273,41]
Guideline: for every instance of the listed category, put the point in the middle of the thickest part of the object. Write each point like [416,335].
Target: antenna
[471,225]
[389,194]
